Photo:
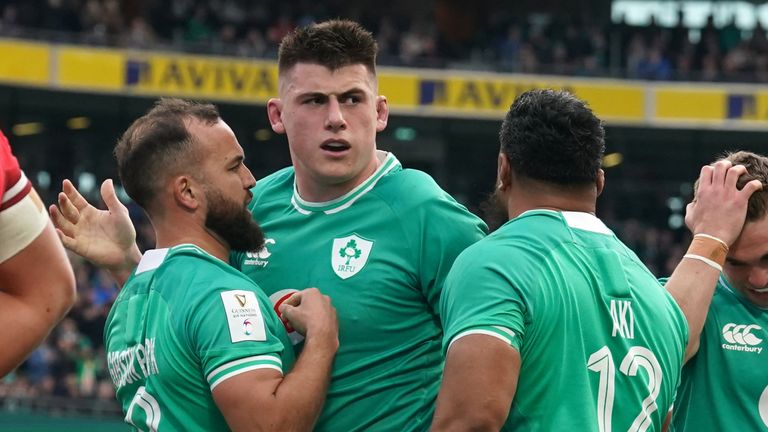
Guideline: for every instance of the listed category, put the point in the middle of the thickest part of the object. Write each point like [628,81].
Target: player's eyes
[351,99]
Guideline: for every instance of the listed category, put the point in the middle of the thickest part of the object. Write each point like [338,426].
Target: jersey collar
[579,220]
[727,285]
[389,163]
[153,258]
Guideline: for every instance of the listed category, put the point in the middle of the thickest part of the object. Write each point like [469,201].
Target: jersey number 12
[601,361]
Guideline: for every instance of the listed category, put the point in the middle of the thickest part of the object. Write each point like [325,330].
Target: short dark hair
[333,44]
[158,144]
[552,136]
[757,169]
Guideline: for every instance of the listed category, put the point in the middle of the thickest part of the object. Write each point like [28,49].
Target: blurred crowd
[431,36]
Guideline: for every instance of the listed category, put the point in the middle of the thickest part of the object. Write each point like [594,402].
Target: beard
[233,223]
[494,210]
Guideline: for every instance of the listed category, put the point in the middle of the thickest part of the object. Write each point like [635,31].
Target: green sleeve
[480,297]
[228,331]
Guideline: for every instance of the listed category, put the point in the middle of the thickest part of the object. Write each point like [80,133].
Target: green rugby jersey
[725,385]
[381,252]
[183,323]
[600,339]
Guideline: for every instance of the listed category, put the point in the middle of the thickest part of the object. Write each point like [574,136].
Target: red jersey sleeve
[14,186]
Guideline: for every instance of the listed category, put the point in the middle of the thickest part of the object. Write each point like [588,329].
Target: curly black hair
[552,136]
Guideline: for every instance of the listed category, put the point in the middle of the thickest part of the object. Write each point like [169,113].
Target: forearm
[693,282]
[692,285]
[299,398]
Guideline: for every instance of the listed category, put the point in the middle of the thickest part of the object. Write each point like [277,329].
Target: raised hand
[105,237]
[719,207]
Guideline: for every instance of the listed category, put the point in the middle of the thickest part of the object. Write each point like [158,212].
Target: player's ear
[503,173]
[382,113]
[186,192]
[275,114]
[600,181]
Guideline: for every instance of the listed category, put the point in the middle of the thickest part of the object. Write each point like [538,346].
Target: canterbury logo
[741,334]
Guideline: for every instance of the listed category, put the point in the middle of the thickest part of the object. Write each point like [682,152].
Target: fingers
[720,169]
[287,311]
[73,195]
[59,221]
[68,242]
[705,176]
[109,196]
[733,174]
[293,300]
[67,208]
[750,188]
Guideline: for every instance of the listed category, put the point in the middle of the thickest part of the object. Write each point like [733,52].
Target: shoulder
[411,185]
[494,255]
[410,190]
[279,182]
[199,274]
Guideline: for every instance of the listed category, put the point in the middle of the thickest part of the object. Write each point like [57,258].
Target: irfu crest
[349,255]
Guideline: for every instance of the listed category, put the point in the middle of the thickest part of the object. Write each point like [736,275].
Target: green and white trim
[236,367]
[336,205]
[499,332]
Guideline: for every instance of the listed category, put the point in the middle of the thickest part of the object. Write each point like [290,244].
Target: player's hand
[719,207]
[105,237]
[311,313]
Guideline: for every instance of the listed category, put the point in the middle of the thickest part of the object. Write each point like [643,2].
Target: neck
[540,195]
[314,189]
[173,231]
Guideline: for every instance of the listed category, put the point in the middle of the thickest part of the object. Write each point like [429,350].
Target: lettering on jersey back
[623,319]
[133,363]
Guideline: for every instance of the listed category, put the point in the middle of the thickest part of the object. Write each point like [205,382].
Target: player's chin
[759,298]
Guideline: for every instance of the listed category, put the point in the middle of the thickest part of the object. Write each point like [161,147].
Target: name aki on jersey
[122,364]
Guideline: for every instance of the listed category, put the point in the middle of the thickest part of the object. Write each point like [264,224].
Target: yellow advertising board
[25,63]
[421,92]
[201,77]
[490,95]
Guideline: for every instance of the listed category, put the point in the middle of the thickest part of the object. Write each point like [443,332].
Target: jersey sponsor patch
[349,255]
[243,316]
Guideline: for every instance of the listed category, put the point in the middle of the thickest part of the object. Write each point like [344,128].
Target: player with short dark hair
[348,219]
[193,344]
